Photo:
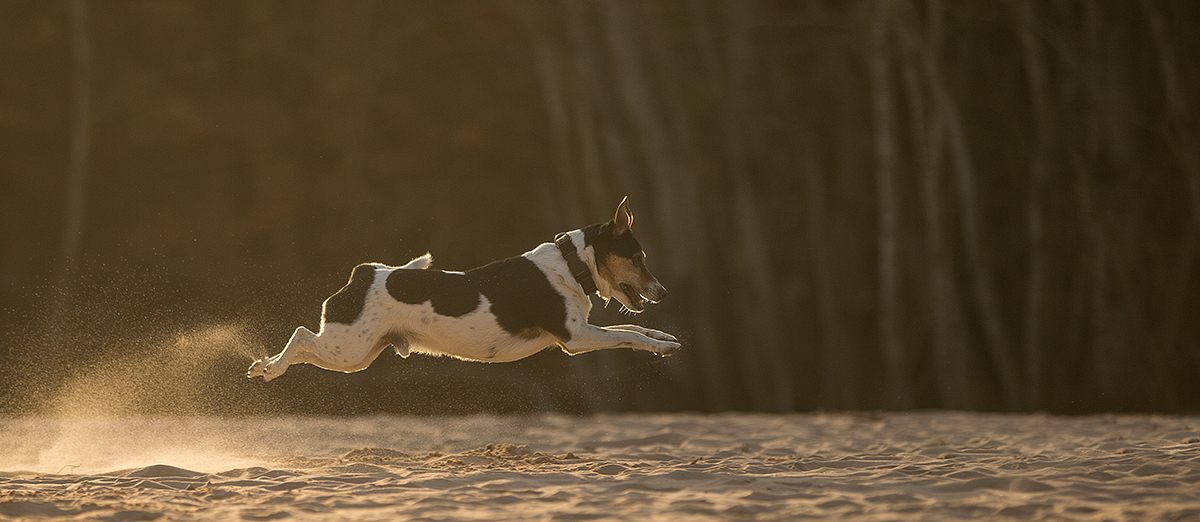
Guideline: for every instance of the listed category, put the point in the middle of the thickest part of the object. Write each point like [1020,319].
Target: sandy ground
[908,466]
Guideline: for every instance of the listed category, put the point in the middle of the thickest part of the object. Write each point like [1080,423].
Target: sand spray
[160,400]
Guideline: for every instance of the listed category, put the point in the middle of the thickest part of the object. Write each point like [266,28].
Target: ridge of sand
[902,466]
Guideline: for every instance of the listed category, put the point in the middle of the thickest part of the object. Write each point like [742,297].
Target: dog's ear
[624,218]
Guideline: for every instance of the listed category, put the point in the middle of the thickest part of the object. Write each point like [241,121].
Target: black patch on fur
[602,237]
[452,295]
[523,300]
[346,305]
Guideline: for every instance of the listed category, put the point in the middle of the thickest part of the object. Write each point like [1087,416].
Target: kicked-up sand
[886,466]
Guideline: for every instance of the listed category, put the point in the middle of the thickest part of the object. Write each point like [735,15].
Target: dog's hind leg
[338,348]
[300,349]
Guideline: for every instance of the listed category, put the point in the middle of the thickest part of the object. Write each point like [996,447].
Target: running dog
[504,311]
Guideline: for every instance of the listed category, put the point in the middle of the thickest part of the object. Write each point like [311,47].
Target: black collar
[579,269]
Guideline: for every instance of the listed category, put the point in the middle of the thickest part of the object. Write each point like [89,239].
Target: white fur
[475,336]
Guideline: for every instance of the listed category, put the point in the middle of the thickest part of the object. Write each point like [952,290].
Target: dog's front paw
[661,336]
[665,348]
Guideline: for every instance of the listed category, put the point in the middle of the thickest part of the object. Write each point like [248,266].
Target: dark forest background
[855,205]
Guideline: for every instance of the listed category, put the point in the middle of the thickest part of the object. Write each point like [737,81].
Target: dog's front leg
[591,338]
[648,332]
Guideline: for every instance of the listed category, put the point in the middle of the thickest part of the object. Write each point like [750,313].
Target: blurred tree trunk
[567,73]
[836,389]
[75,207]
[1179,131]
[951,369]
[1035,72]
[1079,47]
[898,391]
[739,119]
[683,207]
[990,314]
[611,139]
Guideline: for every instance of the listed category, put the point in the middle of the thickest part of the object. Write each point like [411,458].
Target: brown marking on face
[617,269]
[620,270]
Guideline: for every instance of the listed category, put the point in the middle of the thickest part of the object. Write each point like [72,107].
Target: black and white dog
[500,312]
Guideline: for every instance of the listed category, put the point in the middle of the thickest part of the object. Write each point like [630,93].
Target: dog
[500,312]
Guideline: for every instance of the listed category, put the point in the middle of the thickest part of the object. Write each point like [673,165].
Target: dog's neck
[579,269]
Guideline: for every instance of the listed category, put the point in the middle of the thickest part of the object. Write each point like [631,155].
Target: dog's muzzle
[638,299]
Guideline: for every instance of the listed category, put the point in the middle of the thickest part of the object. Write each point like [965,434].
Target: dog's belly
[475,336]
[501,348]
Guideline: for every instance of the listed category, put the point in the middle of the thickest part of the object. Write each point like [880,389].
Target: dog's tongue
[636,302]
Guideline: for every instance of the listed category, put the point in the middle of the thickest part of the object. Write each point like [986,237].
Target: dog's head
[621,262]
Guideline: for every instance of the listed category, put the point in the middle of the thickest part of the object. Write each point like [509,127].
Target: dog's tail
[420,263]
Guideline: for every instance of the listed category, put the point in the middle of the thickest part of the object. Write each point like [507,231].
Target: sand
[902,466]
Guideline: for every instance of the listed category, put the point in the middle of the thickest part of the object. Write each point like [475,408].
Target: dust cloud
[177,377]
[156,402]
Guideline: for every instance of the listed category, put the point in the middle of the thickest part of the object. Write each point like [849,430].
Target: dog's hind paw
[258,369]
[267,368]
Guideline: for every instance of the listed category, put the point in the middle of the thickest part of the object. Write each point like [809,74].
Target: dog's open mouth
[637,302]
